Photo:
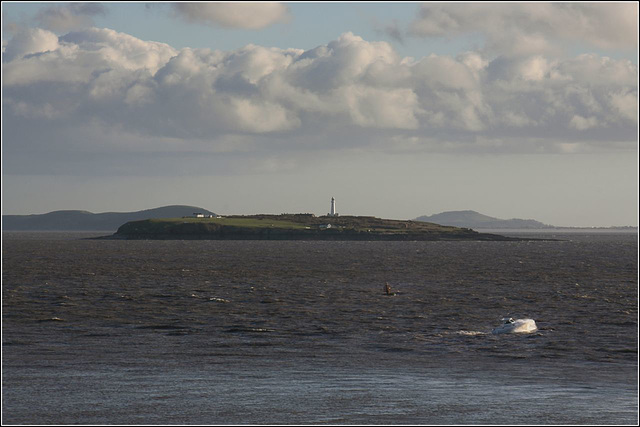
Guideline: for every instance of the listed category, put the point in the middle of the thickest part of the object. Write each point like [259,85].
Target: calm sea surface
[252,332]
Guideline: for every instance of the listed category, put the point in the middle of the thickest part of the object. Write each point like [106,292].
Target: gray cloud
[392,30]
[527,28]
[70,16]
[249,16]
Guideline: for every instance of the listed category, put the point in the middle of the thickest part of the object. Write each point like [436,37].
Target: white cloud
[444,72]
[28,41]
[255,62]
[119,50]
[249,16]
[261,116]
[599,69]
[583,123]
[381,108]
[625,102]
[138,95]
[360,90]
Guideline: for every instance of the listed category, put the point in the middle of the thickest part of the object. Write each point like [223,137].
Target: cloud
[36,56]
[349,93]
[249,16]
[582,123]
[392,30]
[27,41]
[528,28]
[69,17]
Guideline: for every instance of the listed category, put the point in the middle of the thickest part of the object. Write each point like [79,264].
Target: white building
[333,208]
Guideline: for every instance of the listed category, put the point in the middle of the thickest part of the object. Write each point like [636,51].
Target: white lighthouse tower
[333,207]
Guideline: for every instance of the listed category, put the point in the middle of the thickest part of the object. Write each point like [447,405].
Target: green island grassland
[294,227]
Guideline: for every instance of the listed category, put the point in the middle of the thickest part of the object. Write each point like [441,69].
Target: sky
[514,110]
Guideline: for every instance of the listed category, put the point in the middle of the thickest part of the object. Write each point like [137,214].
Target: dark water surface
[252,332]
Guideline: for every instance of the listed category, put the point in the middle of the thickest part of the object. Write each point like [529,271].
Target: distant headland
[478,221]
[75,220]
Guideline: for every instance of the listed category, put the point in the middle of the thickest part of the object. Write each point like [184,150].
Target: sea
[296,332]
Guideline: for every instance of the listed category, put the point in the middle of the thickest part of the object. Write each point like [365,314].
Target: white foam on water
[519,326]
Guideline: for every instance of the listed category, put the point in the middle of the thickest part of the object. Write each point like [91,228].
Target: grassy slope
[233,221]
[287,222]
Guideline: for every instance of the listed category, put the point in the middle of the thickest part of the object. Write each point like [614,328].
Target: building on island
[333,208]
[201,215]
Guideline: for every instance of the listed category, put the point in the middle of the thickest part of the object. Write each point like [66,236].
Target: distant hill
[473,219]
[87,221]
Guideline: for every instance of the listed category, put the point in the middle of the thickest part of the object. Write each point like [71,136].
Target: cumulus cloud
[249,16]
[527,28]
[349,92]
[27,41]
[36,56]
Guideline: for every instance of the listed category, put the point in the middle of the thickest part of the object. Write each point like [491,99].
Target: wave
[470,333]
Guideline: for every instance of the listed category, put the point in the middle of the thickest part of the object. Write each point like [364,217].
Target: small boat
[519,326]
[388,291]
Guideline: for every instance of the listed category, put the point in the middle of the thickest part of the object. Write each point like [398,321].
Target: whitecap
[518,326]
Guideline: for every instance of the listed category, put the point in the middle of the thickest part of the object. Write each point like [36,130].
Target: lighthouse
[333,208]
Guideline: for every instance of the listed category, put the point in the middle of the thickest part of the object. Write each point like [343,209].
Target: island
[294,227]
